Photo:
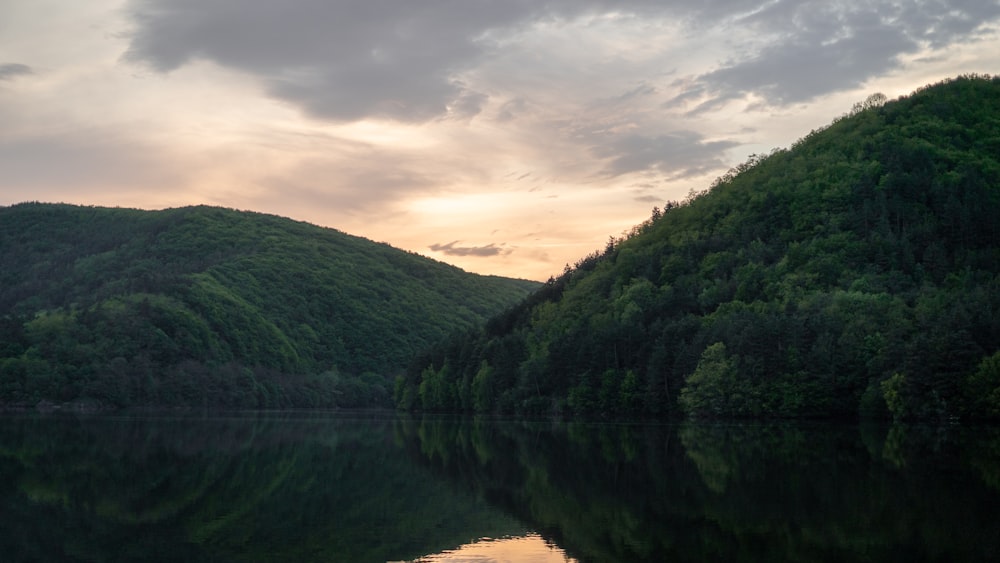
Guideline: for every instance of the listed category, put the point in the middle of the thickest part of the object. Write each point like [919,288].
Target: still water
[312,487]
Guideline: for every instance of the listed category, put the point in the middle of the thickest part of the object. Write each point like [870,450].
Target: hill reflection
[273,488]
[396,488]
[752,492]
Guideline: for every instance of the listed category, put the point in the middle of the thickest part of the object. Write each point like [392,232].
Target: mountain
[210,306]
[855,273]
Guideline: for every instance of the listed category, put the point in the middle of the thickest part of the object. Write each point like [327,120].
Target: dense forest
[205,306]
[855,273]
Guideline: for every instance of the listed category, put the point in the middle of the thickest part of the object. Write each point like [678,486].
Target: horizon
[504,138]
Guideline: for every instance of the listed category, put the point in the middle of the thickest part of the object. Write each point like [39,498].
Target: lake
[357,488]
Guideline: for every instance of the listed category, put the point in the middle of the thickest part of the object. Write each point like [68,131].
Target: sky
[507,137]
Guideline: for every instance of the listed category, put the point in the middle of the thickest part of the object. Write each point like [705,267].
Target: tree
[894,392]
[714,389]
[875,100]
[482,388]
[982,389]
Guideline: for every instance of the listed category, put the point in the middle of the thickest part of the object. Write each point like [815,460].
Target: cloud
[562,86]
[451,249]
[680,154]
[799,51]
[648,199]
[73,164]
[334,60]
[468,105]
[348,60]
[349,187]
[10,71]
[510,109]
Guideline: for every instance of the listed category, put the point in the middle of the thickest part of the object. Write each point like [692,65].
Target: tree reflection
[284,488]
[821,492]
[274,488]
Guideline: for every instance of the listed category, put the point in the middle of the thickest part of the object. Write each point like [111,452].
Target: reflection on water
[728,492]
[297,487]
[270,488]
[525,549]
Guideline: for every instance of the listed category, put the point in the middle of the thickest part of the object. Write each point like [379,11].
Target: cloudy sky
[504,136]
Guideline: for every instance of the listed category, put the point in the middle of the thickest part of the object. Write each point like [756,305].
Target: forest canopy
[855,273]
[204,306]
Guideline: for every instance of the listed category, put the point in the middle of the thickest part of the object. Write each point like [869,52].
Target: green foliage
[715,388]
[436,390]
[213,307]
[483,392]
[868,248]
[894,393]
[982,389]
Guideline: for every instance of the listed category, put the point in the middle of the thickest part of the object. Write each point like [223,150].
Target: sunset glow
[503,137]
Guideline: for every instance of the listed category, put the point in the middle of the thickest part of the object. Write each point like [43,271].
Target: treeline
[213,307]
[856,273]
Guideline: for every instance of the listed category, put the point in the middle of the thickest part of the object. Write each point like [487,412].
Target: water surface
[316,487]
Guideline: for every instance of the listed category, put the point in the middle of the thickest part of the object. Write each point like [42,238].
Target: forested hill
[209,306]
[857,272]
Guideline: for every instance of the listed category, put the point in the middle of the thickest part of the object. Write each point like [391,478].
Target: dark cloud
[346,60]
[468,105]
[451,249]
[10,71]
[824,47]
[680,154]
[339,60]
[404,60]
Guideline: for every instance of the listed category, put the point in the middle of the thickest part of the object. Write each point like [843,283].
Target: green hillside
[209,306]
[857,272]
